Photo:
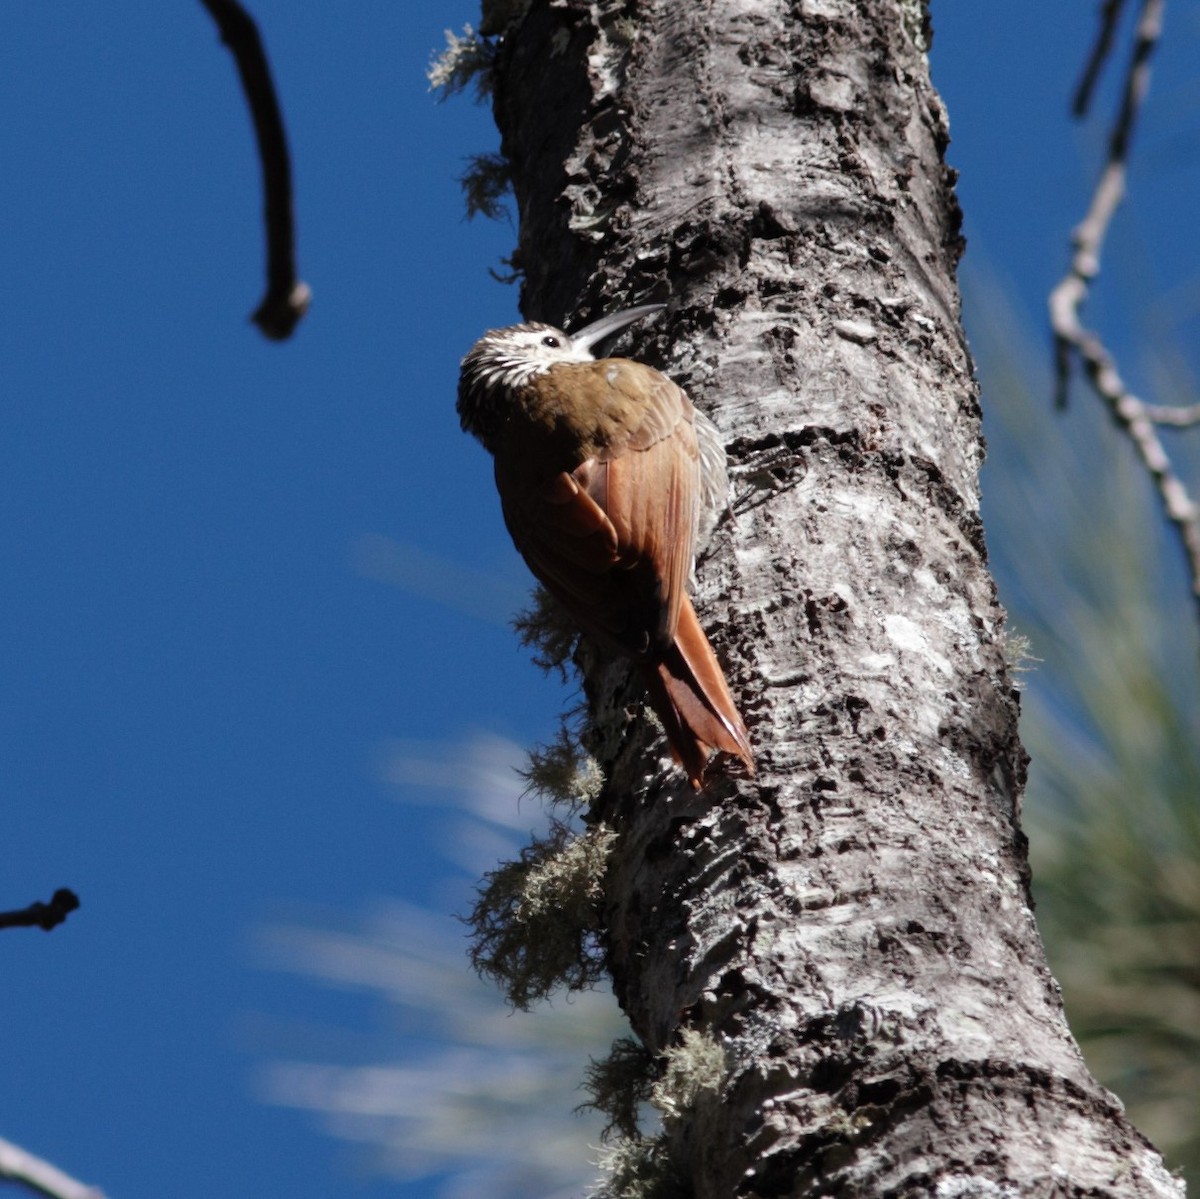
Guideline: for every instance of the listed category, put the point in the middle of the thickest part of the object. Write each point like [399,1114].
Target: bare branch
[287,297]
[1110,191]
[1071,338]
[20,1166]
[42,915]
[1110,16]
[1180,418]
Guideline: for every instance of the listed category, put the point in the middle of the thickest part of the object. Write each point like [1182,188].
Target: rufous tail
[688,691]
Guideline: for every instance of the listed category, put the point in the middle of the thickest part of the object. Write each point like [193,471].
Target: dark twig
[1110,16]
[42,915]
[20,1166]
[1072,339]
[287,298]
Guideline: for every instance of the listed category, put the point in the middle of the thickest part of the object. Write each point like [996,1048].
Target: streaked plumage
[602,468]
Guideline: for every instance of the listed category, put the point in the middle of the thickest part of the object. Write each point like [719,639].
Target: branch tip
[279,314]
[43,915]
[287,297]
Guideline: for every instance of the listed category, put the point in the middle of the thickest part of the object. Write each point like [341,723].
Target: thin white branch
[1180,418]
[1072,339]
[20,1166]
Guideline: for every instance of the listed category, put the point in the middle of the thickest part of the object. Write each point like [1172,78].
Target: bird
[605,471]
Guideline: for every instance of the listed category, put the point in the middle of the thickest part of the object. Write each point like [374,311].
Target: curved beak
[606,326]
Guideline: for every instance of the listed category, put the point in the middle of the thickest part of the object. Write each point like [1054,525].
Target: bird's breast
[599,403]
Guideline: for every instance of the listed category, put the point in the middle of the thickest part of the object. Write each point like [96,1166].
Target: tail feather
[688,691]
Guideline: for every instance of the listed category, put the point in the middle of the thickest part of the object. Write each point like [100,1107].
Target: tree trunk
[853,927]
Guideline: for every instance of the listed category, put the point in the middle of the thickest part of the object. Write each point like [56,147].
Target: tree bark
[854,926]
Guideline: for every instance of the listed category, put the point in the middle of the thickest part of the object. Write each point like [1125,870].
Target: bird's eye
[551,341]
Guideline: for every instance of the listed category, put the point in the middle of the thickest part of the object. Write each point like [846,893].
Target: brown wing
[649,482]
[614,537]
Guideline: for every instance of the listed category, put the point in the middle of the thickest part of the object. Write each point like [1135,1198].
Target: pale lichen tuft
[467,59]
[563,773]
[618,1085]
[485,183]
[692,1068]
[536,918]
[546,630]
[639,1168]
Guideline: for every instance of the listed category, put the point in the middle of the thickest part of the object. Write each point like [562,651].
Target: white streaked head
[510,357]
[504,360]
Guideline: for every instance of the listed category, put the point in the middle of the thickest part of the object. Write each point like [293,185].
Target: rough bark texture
[854,927]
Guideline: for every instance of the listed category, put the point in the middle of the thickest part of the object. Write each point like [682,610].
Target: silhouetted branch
[42,915]
[1071,338]
[287,298]
[1110,15]
[20,1166]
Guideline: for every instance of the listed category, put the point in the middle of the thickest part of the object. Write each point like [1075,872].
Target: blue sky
[246,581]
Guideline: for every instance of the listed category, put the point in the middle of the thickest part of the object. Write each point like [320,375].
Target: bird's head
[503,360]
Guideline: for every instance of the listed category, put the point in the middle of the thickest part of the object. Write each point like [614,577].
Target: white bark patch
[907,635]
[971,1186]
[833,91]
[826,9]
[859,332]
[604,69]
[876,663]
